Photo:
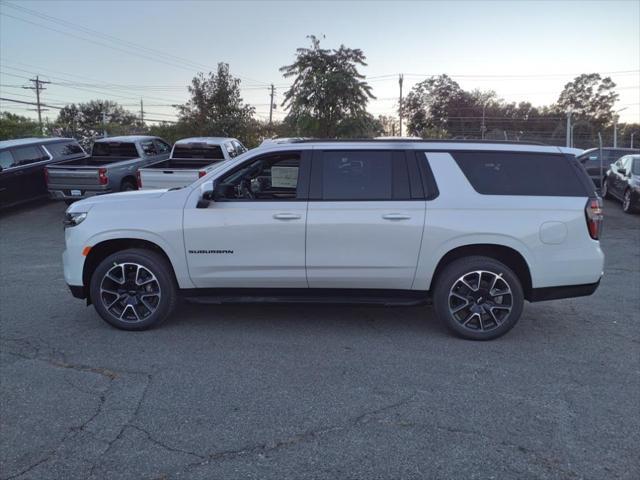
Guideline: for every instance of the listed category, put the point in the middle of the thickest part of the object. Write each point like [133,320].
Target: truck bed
[94,162]
[175,172]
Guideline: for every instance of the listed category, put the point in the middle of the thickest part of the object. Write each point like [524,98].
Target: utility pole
[38,87]
[104,124]
[632,135]
[569,128]
[271,105]
[483,127]
[141,112]
[400,80]
[616,117]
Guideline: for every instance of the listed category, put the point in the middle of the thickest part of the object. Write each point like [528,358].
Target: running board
[364,297]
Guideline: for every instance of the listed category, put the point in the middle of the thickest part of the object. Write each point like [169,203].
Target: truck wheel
[133,289]
[478,298]
[127,186]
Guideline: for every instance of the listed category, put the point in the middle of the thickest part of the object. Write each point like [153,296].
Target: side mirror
[206,196]
[623,172]
[223,190]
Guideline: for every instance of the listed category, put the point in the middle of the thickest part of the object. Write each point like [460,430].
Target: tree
[17,126]
[328,97]
[216,106]
[87,121]
[590,97]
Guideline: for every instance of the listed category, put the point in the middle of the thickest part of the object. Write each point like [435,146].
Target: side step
[306,295]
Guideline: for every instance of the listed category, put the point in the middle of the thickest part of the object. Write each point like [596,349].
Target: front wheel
[478,298]
[133,289]
[605,189]
[627,202]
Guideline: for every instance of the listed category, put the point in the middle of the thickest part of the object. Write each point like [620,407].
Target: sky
[131,50]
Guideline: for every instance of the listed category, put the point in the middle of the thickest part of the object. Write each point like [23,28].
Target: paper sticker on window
[284,177]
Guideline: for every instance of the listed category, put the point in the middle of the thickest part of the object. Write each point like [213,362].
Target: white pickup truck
[191,159]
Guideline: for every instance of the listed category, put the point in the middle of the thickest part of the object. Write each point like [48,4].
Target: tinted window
[274,177]
[64,150]
[635,167]
[6,159]
[115,149]
[357,175]
[26,155]
[239,147]
[198,150]
[515,173]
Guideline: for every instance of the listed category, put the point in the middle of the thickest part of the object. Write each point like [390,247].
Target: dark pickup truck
[112,167]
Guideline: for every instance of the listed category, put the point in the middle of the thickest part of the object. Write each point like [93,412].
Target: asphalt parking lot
[291,392]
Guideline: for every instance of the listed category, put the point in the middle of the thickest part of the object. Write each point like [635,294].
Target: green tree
[17,126]
[328,97]
[216,107]
[85,121]
[589,97]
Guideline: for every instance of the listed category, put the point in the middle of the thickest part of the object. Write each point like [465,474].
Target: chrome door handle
[287,216]
[396,216]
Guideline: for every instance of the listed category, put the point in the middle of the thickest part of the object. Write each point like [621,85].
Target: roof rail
[405,140]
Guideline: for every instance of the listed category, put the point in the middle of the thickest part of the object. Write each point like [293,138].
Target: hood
[132,196]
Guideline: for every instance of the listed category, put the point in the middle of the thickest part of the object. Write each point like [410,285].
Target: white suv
[474,228]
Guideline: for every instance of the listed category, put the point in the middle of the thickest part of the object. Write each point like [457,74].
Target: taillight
[594,216]
[46,176]
[102,176]
[138,180]
[201,173]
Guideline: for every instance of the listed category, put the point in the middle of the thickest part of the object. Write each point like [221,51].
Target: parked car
[622,181]
[591,161]
[191,158]
[475,228]
[23,162]
[111,167]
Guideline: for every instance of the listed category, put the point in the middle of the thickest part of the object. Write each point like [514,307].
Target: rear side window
[192,150]
[364,175]
[518,173]
[6,159]
[65,150]
[115,149]
[26,155]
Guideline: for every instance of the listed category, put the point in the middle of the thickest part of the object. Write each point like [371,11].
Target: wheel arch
[129,179]
[507,255]
[103,249]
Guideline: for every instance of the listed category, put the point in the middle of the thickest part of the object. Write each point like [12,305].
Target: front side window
[635,166]
[26,155]
[273,177]
[6,159]
[162,147]
[230,149]
[240,149]
[357,175]
[149,148]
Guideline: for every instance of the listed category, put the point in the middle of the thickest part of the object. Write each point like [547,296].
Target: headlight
[73,219]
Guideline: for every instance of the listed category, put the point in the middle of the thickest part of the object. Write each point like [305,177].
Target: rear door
[9,188]
[30,161]
[364,226]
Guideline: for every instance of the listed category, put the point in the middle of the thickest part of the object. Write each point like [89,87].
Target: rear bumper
[65,194]
[565,291]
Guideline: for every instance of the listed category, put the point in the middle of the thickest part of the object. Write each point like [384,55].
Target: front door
[364,226]
[254,236]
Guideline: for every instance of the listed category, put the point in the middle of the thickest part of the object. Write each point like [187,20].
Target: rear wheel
[478,298]
[133,289]
[127,186]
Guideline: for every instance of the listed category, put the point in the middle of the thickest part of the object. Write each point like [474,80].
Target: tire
[627,202]
[605,189]
[478,314]
[134,289]
[127,186]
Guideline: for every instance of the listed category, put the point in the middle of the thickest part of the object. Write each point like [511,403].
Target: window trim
[302,189]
